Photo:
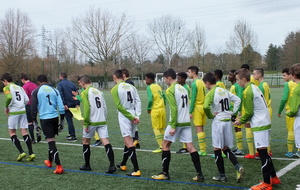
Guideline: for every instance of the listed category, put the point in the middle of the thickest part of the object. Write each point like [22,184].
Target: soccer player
[196,107]
[128,103]
[246,66]
[157,108]
[217,107]
[219,75]
[179,126]
[95,114]
[289,86]
[16,100]
[28,87]
[295,105]
[237,90]
[45,100]
[256,111]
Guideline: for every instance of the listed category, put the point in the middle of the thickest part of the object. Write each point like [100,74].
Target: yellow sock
[290,141]
[202,141]
[159,136]
[96,136]
[239,140]
[249,137]
[184,145]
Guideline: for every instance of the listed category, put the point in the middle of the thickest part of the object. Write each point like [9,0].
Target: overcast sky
[271,20]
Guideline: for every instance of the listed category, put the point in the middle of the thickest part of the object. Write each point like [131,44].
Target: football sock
[219,161]
[290,141]
[17,143]
[125,156]
[265,165]
[249,137]
[54,152]
[96,136]
[31,131]
[132,156]
[239,140]
[49,155]
[184,145]
[231,157]
[86,154]
[136,135]
[202,141]
[159,135]
[196,162]
[28,143]
[110,154]
[166,158]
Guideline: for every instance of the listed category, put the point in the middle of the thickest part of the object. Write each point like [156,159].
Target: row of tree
[98,42]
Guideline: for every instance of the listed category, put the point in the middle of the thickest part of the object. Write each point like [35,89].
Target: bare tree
[16,40]
[98,35]
[242,36]
[169,35]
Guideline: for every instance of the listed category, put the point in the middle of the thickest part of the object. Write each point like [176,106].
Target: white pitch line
[288,168]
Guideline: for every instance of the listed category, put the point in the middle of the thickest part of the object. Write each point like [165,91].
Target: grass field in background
[33,175]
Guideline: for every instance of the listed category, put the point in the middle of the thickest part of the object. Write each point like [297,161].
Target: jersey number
[48,96]
[129,97]
[18,96]
[184,100]
[225,104]
[98,103]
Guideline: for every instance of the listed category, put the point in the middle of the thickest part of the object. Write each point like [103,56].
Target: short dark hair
[286,70]
[150,76]
[209,77]
[118,73]
[64,75]
[42,78]
[218,73]
[194,69]
[86,79]
[260,70]
[243,73]
[24,76]
[245,66]
[232,71]
[125,72]
[182,75]
[295,70]
[170,73]
[7,76]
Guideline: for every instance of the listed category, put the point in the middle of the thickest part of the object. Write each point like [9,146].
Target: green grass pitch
[33,175]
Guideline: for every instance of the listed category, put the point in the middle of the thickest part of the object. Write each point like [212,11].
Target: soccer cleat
[48,163]
[262,186]
[21,156]
[239,152]
[72,139]
[111,170]
[135,174]
[289,154]
[249,156]
[220,178]
[270,154]
[31,157]
[123,168]
[159,150]
[297,154]
[199,178]
[223,155]
[202,153]
[58,170]
[182,151]
[239,173]
[234,150]
[97,143]
[85,168]
[275,181]
[161,176]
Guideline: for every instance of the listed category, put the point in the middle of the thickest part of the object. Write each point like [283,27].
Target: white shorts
[222,134]
[261,138]
[126,126]
[14,121]
[183,133]
[297,131]
[100,129]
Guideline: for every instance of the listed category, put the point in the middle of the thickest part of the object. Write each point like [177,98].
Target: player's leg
[86,151]
[297,135]
[239,140]
[23,127]
[199,119]
[13,122]
[290,136]
[132,155]
[249,139]
[71,128]
[97,140]
[30,124]
[158,120]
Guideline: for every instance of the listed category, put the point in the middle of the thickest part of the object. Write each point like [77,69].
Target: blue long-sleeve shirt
[65,88]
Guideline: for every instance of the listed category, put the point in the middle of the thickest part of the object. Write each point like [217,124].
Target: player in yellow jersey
[218,75]
[156,107]
[196,107]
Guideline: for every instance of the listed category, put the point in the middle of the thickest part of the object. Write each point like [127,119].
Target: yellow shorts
[289,123]
[158,118]
[199,117]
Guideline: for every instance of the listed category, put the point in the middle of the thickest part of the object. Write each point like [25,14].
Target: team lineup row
[184,106]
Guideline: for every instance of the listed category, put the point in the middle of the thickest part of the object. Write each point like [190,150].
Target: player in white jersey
[179,126]
[217,107]
[16,100]
[128,104]
[95,114]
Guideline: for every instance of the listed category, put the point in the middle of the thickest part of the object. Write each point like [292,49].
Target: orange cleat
[59,169]
[48,163]
[275,180]
[262,186]
[249,156]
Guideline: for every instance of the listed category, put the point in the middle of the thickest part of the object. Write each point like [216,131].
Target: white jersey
[18,97]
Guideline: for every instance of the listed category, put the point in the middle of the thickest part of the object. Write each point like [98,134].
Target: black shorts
[50,127]
[28,113]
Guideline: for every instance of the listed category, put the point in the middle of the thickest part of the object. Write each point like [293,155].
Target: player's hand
[75,93]
[66,107]
[149,111]
[237,122]
[172,132]
[135,121]
[74,98]
[86,129]
[7,111]
[279,115]
[191,116]
[216,113]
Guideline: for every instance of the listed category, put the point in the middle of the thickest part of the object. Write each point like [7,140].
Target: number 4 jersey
[16,99]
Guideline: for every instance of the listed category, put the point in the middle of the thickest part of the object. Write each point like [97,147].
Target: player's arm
[34,104]
[294,103]
[86,108]
[194,90]
[236,102]
[138,104]
[7,95]
[284,97]
[60,105]
[150,98]
[248,106]
[61,91]
[104,106]
[26,99]
[170,95]
[207,103]
[114,93]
